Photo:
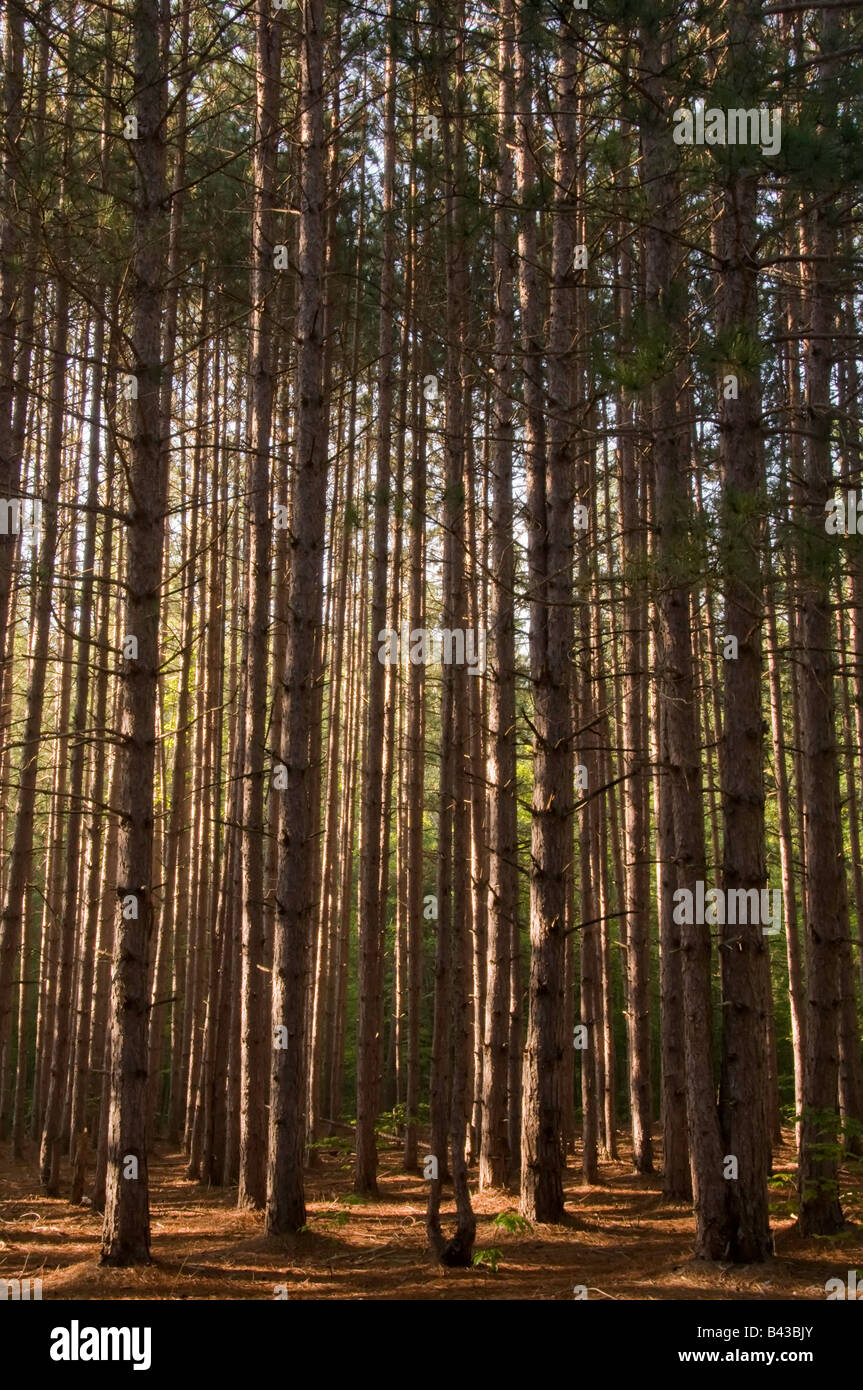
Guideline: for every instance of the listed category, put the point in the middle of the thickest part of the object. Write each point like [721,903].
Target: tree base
[458,1252]
[122,1259]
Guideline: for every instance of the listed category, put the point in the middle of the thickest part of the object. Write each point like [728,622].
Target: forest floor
[621,1240]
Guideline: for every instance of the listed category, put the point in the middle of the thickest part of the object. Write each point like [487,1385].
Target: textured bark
[63,1041]
[550,540]
[635,792]
[676,1174]
[476,769]
[530,308]
[96,836]
[100,1040]
[339,756]
[743,947]
[826,906]
[11,234]
[676,694]
[607,913]
[295,893]
[268,42]
[196,952]
[126,1229]
[17,294]
[414,784]
[535,446]
[796,989]
[850,387]
[502,818]
[372,904]
[161,991]
[347,826]
[22,845]
[397,701]
[175,914]
[450,1096]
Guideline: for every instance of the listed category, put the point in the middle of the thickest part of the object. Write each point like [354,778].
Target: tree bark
[372,904]
[295,893]
[502,806]
[669,450]
[126,1229]
[743,946]
[550,540]
[253,1057]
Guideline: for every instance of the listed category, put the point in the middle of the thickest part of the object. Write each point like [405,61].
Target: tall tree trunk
[550,540]
[826,900]
[415,781]
[44,565]
[372,905]
[10,300]
[745,960]
[49,1157]
[452,1025]
[636,784]
[295,893]
[126,1230]
[253,1059]
[502,806]
[669,447]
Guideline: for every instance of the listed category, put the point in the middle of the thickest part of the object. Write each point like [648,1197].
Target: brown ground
[621,1240]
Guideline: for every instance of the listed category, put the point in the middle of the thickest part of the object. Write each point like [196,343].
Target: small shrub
[512,1222]
[487,1259]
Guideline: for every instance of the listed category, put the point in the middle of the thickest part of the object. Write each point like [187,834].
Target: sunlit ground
[621,1240]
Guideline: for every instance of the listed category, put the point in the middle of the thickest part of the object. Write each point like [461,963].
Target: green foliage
[783,1196]
[487,1259]
[339,1218]
[391,1122]
[512,1222]
[735,349]
[652,353]
[334,1144]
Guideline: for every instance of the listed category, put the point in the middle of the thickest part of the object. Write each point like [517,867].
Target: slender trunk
[126,1230]
[49,1157]
[550,541]
[452,1025]
[635,792]
[372,906]
[743,947]
[669,448]
[502,805]
[826,900]
[252,1189]
[295,893]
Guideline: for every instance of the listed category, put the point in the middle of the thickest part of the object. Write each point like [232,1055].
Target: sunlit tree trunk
[295,893]
[126,1230]
[502,808]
